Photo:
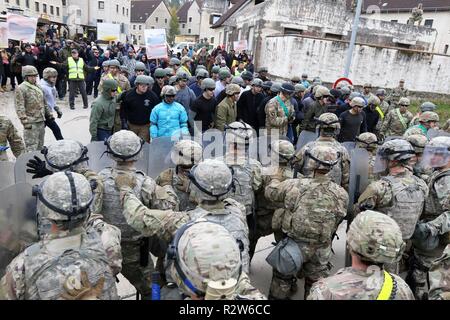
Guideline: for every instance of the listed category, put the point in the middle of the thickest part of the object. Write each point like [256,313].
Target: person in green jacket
[103,112]
[226,111]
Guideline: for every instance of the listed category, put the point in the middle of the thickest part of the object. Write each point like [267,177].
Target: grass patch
[443,110]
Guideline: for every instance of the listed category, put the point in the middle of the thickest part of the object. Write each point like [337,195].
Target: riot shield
[389,138]
[305,137]
[18,227]
[20,168]
[213,143]
[433,133]
[349,145]
[99,160]
[6,174]
[159,158]
[358,182]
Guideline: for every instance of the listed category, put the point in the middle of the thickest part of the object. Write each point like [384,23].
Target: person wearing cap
[224,80]
[427,120]
[215,73]
[168,118]
[129,61]
[226,112]
[185,96]
[205,106]
[201,74]
[248,103]
[93,79]
[280,112]
[397,120]
[175,64]
[247,76]
[240,69]
[299,93]
[424,107]
[295,80]
[353,122]
[77,68]
[318,107]
[139,70]
[273,91]
[367,91]
[186,65]
[136,106]
[27,58]
[374,114]
[305,81]
[398,93]
[262,74]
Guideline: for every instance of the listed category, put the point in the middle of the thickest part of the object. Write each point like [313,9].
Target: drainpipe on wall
[348,62]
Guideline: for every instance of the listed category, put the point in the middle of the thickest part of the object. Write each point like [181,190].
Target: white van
[177,48]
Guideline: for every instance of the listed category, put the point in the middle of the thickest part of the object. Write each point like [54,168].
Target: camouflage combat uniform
[32,110]
[277,118]
[8,133]
[439,277]
[392,126]
[397,94]
[315,208]
[181,184]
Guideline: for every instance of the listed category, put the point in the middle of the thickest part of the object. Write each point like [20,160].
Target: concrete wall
[383,67]
[441,22]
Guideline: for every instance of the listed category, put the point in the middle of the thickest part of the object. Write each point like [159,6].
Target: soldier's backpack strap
[389,288]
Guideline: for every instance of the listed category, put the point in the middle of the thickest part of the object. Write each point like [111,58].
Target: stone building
[189,19]
[148,14]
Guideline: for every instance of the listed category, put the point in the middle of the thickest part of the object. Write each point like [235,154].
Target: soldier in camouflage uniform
[439,277]
[373,239]
[427,120]
[125,148]
[446,126]
[424,107]
[397,121]
[315,208]
[32,109]
[329,127]
[69,263]
[280,111]
[71,155]
[437,211]
[185,154]
[369,141]
[317,108]
[399,194]
[9,133]
[418,141]
[282,153]
[398,93]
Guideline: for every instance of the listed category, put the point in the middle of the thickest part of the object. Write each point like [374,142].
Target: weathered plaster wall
[383,67]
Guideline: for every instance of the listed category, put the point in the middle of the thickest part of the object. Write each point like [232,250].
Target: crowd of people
[205,216]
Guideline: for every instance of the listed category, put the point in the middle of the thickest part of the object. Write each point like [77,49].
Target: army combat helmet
[64,197]
[328,125]
[186,153]
[321,157]
[375,238]
[29,71]
[124,146]
[239,133]
[367,140]
[437,153]
[206,260]
[284,150]
[49,72]
[66,155]
[212,180]
[398,150]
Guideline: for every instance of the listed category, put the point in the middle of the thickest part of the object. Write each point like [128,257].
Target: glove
[59,113]
[38,168]
[84,290]
[125,180]
[422,232]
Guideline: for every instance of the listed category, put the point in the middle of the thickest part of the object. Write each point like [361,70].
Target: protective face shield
[305,138]
[6,174]
[437,153]
[393,150]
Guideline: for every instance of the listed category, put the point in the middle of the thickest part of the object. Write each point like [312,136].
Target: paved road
[74,125]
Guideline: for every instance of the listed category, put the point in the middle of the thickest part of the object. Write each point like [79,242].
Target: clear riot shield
[349,145]
[213,143]
[159,158]
[433,133]
[6,174]
[18,228]
[99,160]
[20,168]
[389,138]
[305,137]
[358,182]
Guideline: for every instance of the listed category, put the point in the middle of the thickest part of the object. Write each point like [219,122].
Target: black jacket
[247,107]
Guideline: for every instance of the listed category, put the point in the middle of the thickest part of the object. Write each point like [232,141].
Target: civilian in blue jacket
[169,118]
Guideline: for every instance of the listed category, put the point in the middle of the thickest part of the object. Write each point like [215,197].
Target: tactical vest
[316,215]
[76,68]
[407,203]
[264,206]
[230,218]
[112,209]
[46,273]
[243,183]
[183,195]
[433,207]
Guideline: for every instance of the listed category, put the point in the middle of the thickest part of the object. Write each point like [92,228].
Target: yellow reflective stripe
[386,290]
[380,112]
[119,89]
[76,69]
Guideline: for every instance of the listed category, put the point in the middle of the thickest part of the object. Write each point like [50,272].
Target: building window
[57,11]
[183,26]
[18,2]
[139,38]
[156,19]
[429,23]
[214,18]
[189,30]
[258,1]
[153,27]
[64,2]
[123,10]
[140,27]
[212,40]
[99,20]
[27,3]
[446,49]
[394,21]
[101,5]
[134,27]
[190,19]
[36,6]
[52,10]
[127,12]
[44,8]
[117,8]
[165,21]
